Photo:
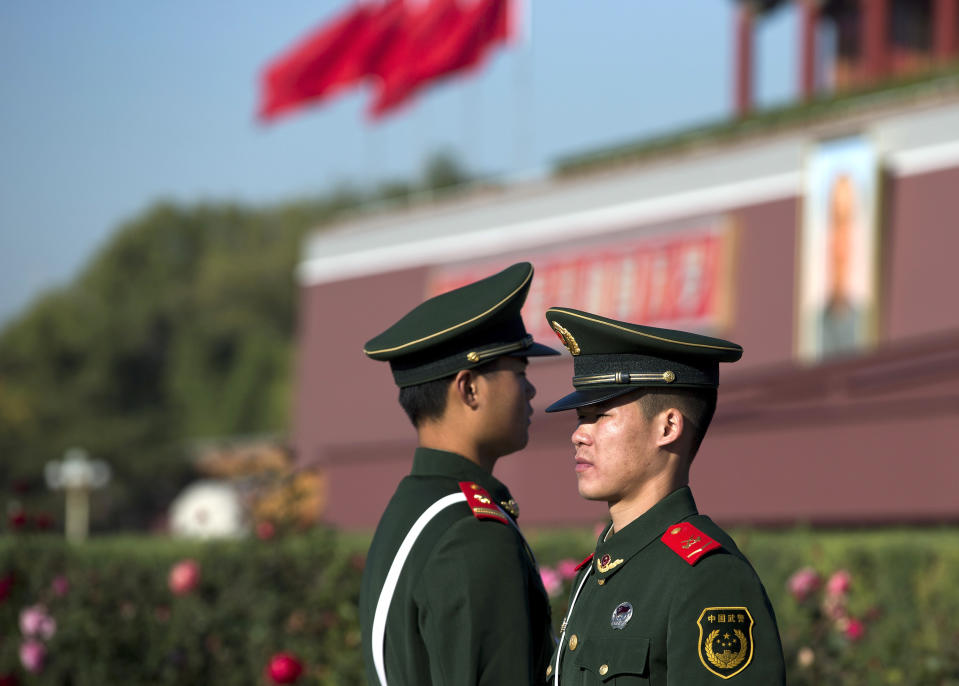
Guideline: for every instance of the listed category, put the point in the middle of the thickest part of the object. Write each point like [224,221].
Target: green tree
[180,327]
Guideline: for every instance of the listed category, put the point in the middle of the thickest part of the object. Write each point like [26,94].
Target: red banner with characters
[677,280]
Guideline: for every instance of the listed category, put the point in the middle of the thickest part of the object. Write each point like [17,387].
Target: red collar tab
[480,502]
[589,558]
[688,542]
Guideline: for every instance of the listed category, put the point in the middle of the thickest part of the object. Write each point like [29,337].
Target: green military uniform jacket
[645,615]
[469,606]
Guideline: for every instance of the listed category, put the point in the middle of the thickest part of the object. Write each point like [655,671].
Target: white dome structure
[208,509]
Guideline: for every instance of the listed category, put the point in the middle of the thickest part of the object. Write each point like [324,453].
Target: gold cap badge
[566,337]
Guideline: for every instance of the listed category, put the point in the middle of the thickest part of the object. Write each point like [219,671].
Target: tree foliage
[180,327]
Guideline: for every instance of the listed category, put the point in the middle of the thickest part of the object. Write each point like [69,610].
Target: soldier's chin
[589,494]
[516,447]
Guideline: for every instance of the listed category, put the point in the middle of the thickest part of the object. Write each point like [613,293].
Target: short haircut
[425,401]
[696,404]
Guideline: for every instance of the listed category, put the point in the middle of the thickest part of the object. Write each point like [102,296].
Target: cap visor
[589,397]
[535,350]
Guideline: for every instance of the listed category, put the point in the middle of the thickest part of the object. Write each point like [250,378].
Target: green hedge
[903,596]
[119,622]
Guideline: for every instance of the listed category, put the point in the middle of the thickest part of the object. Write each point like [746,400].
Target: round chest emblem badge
[621,615]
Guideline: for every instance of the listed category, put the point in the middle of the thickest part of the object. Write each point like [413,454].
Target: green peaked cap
[461,329]
[611,358]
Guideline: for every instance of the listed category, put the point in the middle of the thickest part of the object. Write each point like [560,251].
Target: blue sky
[107,106]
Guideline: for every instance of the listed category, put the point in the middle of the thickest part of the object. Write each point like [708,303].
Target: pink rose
[567,569]
[35,622]
[803,583]
[551,580]
[284,668]
[839,583]
[60,585]
[32,654]
[184,576]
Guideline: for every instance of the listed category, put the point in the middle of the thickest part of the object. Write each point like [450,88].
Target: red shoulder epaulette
[481,503]
[589,558]
[688,542]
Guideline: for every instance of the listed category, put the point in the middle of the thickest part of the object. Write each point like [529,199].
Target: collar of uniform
[642,531]
[431,462]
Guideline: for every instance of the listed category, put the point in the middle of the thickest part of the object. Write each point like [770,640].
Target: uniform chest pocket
[616,661]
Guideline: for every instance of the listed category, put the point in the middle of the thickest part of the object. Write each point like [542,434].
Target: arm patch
[688,542]
[481,503]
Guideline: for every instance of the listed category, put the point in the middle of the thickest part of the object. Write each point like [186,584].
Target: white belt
[389,586]
[569,614]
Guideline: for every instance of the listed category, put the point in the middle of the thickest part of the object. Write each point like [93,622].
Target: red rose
[6,583]
[43,521]
[184,576]
[9,680]
[265,530]
[18,520]
[284,668]
[854,630]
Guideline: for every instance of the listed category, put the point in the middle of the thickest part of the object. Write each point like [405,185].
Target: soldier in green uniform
[667,597]
[451,593]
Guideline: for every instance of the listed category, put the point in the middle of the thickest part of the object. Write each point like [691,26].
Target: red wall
[857,441]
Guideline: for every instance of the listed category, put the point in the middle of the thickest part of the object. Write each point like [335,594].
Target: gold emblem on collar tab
[606,563]
[511,506]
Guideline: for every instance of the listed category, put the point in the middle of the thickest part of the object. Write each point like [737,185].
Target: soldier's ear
[669,426]
[464,388]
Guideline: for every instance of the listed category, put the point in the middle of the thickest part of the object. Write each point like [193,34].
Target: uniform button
[549,671]
[603,670]
[601,582]
[573,642]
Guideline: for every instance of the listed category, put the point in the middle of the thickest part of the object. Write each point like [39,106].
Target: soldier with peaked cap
[667,597]
[451,593]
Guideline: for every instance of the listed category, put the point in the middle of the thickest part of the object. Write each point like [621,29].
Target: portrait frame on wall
[838,250]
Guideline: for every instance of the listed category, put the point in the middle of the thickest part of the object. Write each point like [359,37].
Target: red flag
[443,39]
[320,65]
[421,29]
[385,43]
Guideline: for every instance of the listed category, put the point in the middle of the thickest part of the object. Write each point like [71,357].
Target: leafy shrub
[128,611]
[861,607]
[854,608]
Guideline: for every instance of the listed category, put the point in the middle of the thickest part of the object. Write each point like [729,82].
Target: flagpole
[472,118]
[523,87]
[370,147]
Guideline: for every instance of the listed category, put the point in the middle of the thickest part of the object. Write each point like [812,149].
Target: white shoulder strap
[389,586]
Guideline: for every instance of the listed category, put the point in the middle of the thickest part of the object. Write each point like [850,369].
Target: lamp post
[77,474]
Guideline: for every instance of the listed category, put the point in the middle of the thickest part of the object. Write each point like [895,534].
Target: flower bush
[155,611]
[854,609]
